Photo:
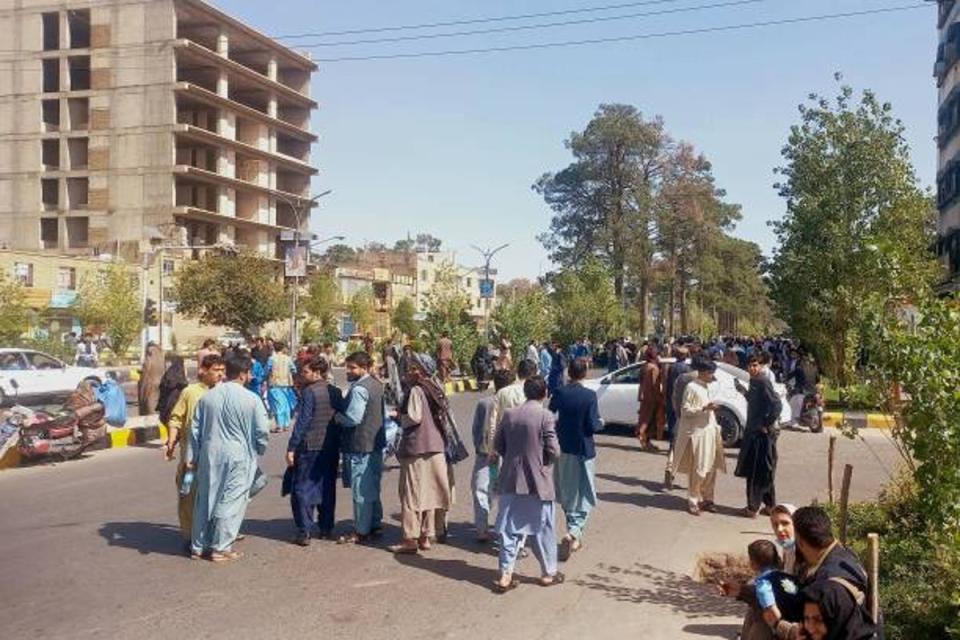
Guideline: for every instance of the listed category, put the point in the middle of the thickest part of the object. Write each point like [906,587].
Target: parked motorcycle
[66,433]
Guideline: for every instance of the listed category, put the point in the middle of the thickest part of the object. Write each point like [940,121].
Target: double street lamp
[487,257]
[296,206]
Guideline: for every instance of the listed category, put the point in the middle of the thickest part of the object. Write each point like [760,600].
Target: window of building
[469,282]
[51,115]
[78,232]
[79,112]
[49,233]
[430,258]
[424,275]
[78,191]
[50,188]
[78,151]
[66,279]
[50,154]
[78,24]
[51,31]
[168,267]
[79,71]
[51,75]
[23,273]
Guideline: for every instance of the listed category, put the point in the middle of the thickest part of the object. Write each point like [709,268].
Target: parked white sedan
[32,376]
[618,392]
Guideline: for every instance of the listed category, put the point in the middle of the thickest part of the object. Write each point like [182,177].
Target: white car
[618,392]
[31,376]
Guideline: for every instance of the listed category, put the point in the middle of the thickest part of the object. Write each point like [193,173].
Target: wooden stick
[845,501]
[831,459]
[873,568]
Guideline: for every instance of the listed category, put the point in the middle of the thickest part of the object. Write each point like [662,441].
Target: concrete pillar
[272,68]
[223,85]
[227,202]
[223,44]
[272,106]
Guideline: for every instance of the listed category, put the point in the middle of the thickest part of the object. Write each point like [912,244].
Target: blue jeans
[366,470]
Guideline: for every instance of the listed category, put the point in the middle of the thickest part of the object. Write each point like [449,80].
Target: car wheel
[730,430]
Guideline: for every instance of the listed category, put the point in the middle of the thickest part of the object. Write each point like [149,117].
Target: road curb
[459,386]
[861,421]
[139,431]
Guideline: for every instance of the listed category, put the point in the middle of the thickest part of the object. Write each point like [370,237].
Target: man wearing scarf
[425,492]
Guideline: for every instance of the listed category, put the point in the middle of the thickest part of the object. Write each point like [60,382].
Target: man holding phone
[699,446]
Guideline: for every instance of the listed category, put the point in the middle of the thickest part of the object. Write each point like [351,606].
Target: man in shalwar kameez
[578,418]
[699,446]
[363,439]
[230,429]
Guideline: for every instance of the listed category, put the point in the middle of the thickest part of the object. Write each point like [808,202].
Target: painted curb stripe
[872,420]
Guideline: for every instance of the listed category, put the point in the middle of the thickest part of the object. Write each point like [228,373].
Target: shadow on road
[456,570]
[644,584]
[649,485]
[652,501]
[144,537]
[713,630]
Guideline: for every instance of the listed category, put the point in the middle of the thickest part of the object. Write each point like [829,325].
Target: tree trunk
[672,298]
[644,288]
[683,307]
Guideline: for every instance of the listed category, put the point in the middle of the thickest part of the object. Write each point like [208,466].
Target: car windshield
[627,376]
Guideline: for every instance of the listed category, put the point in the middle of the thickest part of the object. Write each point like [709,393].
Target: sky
[450,145]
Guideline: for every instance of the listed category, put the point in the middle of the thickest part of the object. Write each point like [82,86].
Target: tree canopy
[525,316]
[241,291]
[13,310]
[857,227]
[110,301]
[322,305]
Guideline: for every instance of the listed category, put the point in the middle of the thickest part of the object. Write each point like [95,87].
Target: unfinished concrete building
[122,117]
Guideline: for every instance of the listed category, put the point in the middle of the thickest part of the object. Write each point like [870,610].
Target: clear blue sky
[451,145]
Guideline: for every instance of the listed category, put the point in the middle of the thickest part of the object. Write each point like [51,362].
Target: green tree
[322,305]
[110,301]
[586,304]
[448,312]
[338,254]
[852,197]
[603,202]
[13,310]
[524,317]
[362,310]
[240,291]
[403,318]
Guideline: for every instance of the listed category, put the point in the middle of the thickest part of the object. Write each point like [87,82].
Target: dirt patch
[713,568]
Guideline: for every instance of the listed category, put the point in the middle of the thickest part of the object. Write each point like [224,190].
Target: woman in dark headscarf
[148,389]
[424,479]
[174,381]
[830,612]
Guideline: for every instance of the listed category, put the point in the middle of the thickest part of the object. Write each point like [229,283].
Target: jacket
[528,446]
[578,418]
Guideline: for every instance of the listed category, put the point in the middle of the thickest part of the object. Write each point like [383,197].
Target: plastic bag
[110,395]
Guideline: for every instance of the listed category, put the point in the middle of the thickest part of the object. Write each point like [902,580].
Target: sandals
[502,589]
[424,544]
[708,505]
[400,549]
[555,579]
[693,509]
[352,538]
[225,556]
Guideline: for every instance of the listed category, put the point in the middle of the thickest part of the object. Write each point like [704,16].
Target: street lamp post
[487,257]
[296,243]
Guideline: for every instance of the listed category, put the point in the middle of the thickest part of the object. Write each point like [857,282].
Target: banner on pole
[295,264]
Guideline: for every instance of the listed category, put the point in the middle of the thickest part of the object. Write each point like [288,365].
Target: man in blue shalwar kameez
[363,439]
[578,418]
[230,429]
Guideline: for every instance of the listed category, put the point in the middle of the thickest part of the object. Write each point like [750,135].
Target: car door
[617,396]
[48,372]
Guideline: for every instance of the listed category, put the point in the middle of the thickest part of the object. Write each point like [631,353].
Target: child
[777,594]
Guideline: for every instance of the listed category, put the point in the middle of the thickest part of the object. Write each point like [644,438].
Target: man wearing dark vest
[363,439]
[313,453]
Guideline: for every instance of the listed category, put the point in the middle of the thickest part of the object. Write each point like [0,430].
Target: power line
[528,27]
[641,36]
[454,23]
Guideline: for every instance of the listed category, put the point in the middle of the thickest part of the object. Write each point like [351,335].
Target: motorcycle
[807,408]
[65,434]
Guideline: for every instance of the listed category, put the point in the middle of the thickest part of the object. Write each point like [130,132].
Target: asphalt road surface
[90,549]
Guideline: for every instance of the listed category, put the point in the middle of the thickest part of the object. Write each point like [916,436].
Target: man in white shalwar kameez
[230,429]
[699,446]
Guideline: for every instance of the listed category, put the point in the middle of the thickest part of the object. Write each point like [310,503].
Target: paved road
[90,549]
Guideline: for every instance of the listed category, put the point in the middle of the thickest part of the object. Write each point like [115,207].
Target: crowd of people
[533,441]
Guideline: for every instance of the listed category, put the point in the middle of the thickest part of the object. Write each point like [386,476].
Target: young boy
[777,594]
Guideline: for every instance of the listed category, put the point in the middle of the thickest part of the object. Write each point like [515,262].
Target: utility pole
[487,255]
[295,207]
